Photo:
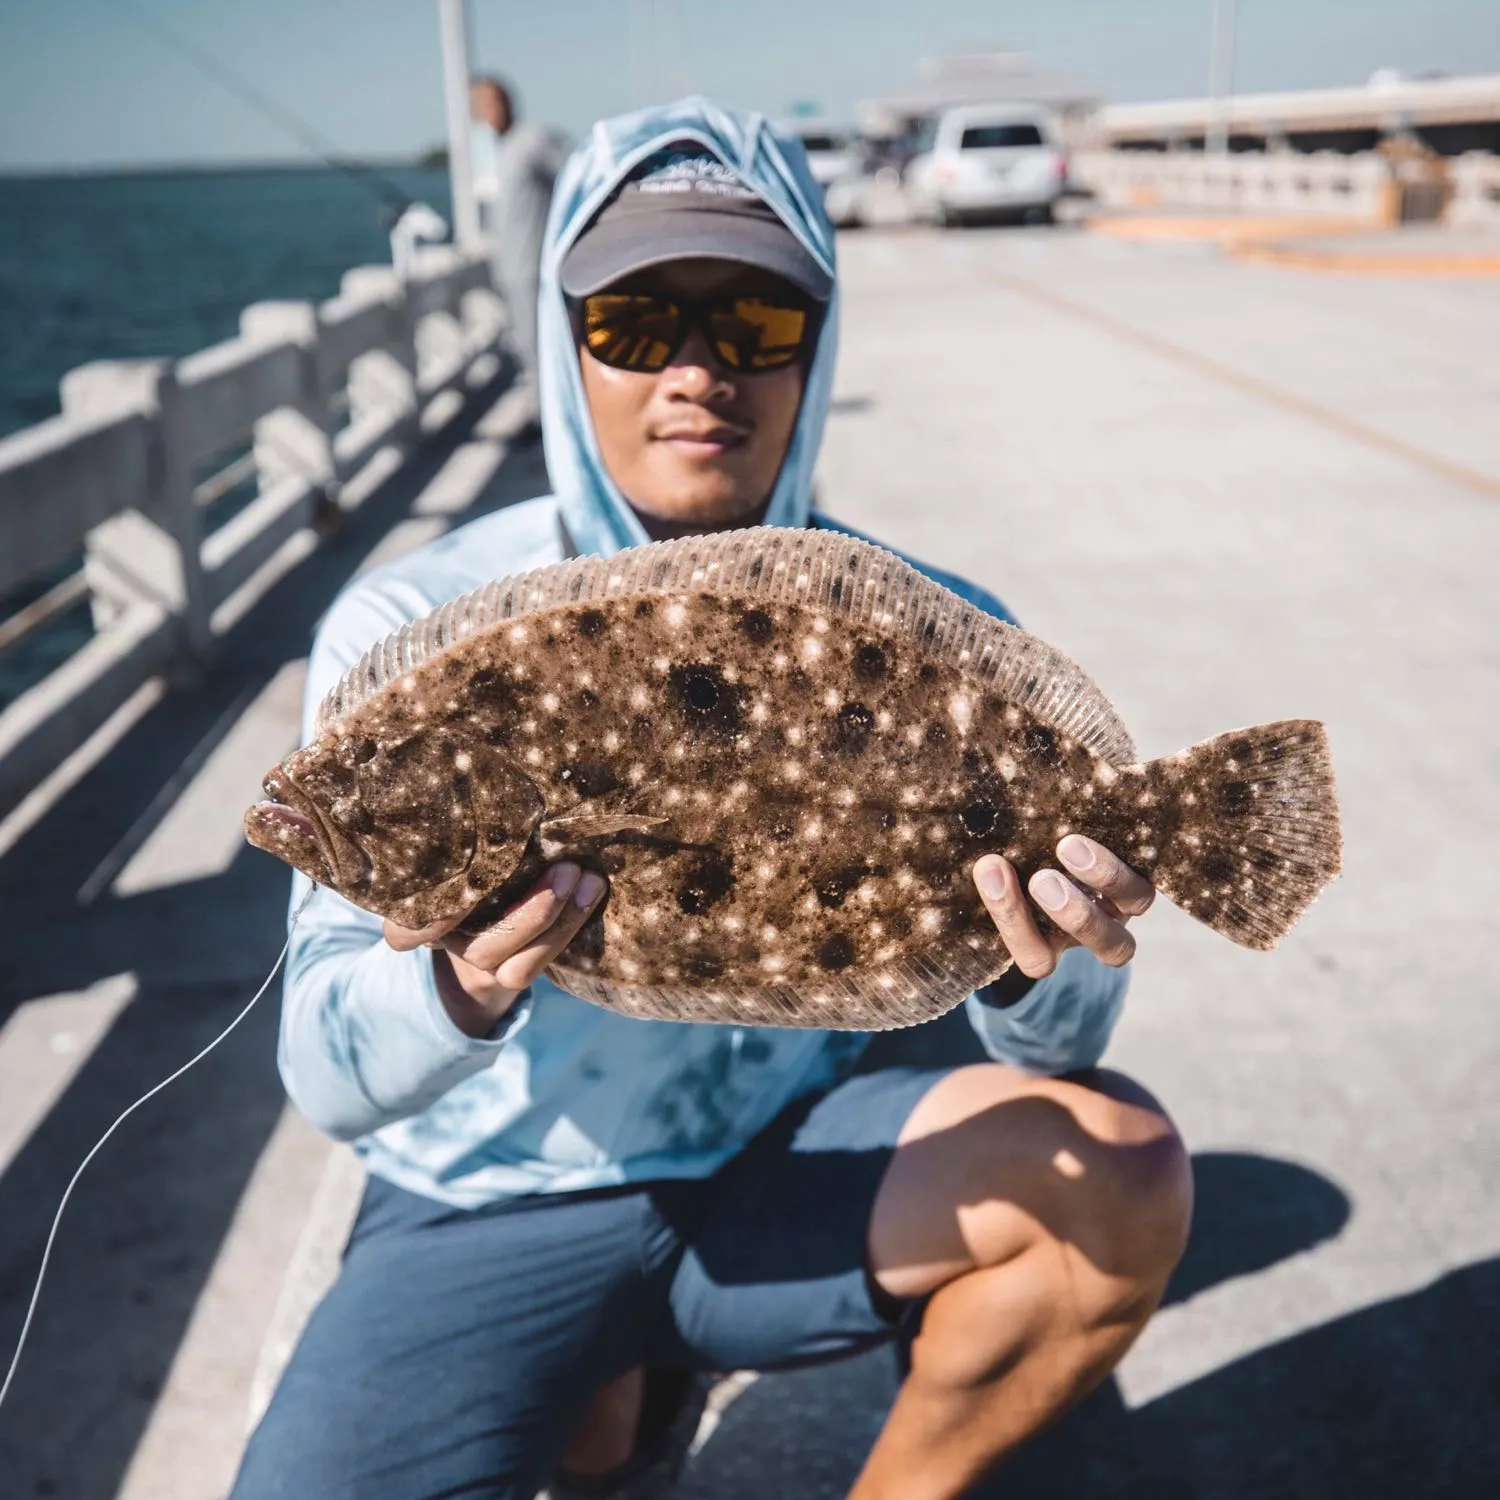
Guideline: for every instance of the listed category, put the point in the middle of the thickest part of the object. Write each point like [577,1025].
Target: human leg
[1041,1218]
[456,1351]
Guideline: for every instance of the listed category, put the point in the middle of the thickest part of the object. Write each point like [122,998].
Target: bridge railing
[1476,190]
[120,502]
[1463,191]
[1323,182]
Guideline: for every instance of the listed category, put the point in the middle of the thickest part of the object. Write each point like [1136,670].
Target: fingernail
[564,878]
[1077,852]
[590,888]
[990,878]
[1050,890]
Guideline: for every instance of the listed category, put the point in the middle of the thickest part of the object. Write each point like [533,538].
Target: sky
[83,84]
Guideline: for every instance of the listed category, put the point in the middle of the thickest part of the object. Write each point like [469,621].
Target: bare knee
[1131,1212]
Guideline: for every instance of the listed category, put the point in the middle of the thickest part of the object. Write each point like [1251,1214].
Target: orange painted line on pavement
[1216,228]
[1251,385]
[1363,262]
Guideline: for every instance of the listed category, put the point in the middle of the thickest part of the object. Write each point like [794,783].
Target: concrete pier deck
[1234,492]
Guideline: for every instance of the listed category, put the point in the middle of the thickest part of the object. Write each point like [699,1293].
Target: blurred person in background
[515,163]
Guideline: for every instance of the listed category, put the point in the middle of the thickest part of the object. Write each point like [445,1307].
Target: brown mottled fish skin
[786,786]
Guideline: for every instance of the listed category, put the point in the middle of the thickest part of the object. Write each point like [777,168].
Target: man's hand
[1090,913]
[480,978]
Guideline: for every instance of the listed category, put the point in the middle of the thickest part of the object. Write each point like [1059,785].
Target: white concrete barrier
[118,476]
[1476,190]
[1323,182]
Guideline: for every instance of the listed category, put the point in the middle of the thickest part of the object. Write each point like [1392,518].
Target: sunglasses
[642,331]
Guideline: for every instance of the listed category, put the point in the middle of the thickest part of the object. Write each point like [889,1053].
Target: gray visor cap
[677,216]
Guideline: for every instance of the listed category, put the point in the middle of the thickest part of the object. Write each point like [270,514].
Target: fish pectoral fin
[596,824]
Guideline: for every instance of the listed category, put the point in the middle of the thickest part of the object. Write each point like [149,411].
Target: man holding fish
[573,1215]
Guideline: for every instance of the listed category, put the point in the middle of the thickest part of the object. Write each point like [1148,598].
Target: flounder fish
[785,749]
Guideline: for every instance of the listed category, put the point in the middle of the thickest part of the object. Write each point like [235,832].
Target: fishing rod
[308,136]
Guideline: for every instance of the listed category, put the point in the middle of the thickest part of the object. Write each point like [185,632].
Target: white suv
[992,160]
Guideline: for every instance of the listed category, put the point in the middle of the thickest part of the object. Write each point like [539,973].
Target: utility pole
[454,15]
[1220,78]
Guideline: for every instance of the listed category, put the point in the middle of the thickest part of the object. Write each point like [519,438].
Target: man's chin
[683,512]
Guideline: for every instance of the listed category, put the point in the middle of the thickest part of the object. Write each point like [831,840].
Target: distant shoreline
[270,167]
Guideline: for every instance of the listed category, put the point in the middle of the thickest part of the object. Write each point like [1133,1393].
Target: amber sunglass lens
[631,332]
[752,334]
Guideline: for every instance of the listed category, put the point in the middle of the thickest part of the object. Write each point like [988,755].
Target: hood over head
[774,167]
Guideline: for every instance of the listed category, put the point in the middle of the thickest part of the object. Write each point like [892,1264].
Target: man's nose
[695,373]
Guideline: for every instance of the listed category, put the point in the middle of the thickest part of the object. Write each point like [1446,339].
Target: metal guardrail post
[296,442]
[151,554]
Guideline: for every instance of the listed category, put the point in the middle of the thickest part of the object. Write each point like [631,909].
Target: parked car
[993,160]
[830,151]
[838,168]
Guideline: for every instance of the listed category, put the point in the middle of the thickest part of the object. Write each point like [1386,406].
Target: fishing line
[307,135]
[192,1062]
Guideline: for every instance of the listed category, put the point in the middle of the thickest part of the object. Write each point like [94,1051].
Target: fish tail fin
[1256,833]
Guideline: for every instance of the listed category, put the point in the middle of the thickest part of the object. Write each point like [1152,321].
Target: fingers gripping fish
[785,749]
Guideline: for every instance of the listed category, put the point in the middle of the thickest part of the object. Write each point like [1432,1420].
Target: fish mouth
[286,824]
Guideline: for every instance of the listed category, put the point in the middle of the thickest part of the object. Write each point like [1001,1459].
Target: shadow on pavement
[147,1222]
[1394,1401]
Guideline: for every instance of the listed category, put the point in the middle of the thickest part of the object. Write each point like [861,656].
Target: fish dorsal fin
[826,570]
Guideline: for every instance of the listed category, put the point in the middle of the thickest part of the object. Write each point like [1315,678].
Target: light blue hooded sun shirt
[563,1095]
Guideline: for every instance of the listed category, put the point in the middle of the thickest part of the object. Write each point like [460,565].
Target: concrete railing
[1323,182]
[124,476]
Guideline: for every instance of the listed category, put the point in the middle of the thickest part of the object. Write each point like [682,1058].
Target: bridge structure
[1234,490]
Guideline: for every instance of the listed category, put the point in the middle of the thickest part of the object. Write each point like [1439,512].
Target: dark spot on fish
[783,830]
[643,607]
[799,681]
[929,632]
[1237,798]
[851,733]
[1030,686]
[888,819]
[701,966]
[431,863]
[1040,744]
[928,672]
[836,591]
[1217,868]
[495,837]
[590,778]
[708,881]
[756,568]
[496,734]
[973,762]
[1264,859]
[836,952]
[588,700]
[869,662]
[834,885]
[937,733]
[978,819]
[757,625]
[591,623]
[898,924]
[1240,750]
[488,689]
[710,704]
[641,727]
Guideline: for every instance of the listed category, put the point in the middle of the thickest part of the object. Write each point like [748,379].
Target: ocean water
[135,265]
[139,265]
